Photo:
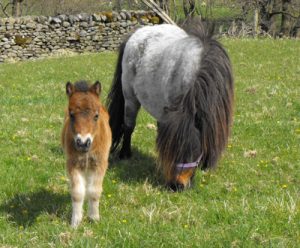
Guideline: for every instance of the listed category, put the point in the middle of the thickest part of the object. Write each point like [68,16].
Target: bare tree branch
[4,7]
[284,13]
[189,7]
[159,11]
[16,7]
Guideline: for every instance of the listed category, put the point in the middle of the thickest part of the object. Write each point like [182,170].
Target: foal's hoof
[125,155]
[75,222]
[94,218]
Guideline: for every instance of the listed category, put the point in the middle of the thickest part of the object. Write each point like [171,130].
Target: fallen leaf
[251,90]
[250,154]
[151,126]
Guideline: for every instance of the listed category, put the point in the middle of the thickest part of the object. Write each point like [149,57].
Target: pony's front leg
[77,194]
[125,151]
[94,190]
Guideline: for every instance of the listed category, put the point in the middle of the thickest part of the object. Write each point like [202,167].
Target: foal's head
[83,113]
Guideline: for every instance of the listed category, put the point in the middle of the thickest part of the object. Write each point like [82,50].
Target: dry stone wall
[35,37]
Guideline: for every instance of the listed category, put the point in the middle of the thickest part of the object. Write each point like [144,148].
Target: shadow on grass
[138,169]
[23,209]
[57,150]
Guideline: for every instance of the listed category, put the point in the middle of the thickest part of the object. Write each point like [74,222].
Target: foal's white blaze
[84,137]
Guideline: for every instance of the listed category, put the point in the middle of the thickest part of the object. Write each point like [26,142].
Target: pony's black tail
[199,123]
[115,102]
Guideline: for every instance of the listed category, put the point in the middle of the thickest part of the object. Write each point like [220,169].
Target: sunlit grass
[251,200]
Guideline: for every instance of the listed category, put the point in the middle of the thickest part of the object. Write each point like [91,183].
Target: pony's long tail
[199,122]
[115,102]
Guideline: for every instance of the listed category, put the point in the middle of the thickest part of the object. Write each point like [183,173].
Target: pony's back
[159,62]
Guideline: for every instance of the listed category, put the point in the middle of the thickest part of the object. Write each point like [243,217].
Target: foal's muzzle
[82,146]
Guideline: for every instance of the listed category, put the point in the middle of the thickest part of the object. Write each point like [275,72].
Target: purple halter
[182,166]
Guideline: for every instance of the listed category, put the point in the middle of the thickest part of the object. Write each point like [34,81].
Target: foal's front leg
[94,190]
[77,193]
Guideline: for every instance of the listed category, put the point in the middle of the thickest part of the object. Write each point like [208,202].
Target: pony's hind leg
[77,194]
[94,190]
[132,107]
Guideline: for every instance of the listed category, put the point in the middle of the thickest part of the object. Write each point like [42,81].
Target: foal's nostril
[78,142]
[88,143]
[83,145]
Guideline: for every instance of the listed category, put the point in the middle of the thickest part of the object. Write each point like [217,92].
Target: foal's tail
[115,102]
[199,123]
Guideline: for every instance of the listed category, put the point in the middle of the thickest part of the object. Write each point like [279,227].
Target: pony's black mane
[200,119]
[202,30]
[82,86]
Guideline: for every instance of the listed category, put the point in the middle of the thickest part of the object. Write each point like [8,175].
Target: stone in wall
[34,37]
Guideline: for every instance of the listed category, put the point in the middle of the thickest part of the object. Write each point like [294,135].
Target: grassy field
[251,200]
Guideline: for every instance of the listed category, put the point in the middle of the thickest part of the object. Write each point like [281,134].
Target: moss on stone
[155,20]
[109,16]
[22,41]
[133,19]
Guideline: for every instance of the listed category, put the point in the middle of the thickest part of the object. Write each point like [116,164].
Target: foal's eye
[96,117]
[72,116]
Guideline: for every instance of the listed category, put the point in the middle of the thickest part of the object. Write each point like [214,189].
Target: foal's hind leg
[132,107]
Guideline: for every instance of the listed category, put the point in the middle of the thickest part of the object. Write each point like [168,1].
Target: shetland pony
[183,78]
[86,140]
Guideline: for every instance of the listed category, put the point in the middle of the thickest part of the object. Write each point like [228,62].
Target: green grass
[216,11]
[251,200]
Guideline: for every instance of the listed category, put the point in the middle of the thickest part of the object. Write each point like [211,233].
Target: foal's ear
[96,88]
[69,88]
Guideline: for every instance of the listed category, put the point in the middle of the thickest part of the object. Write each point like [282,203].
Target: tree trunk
[275,8]
[164,5]
[16,8]
[118,5]
[287,21]
[129,4]
[256,21]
